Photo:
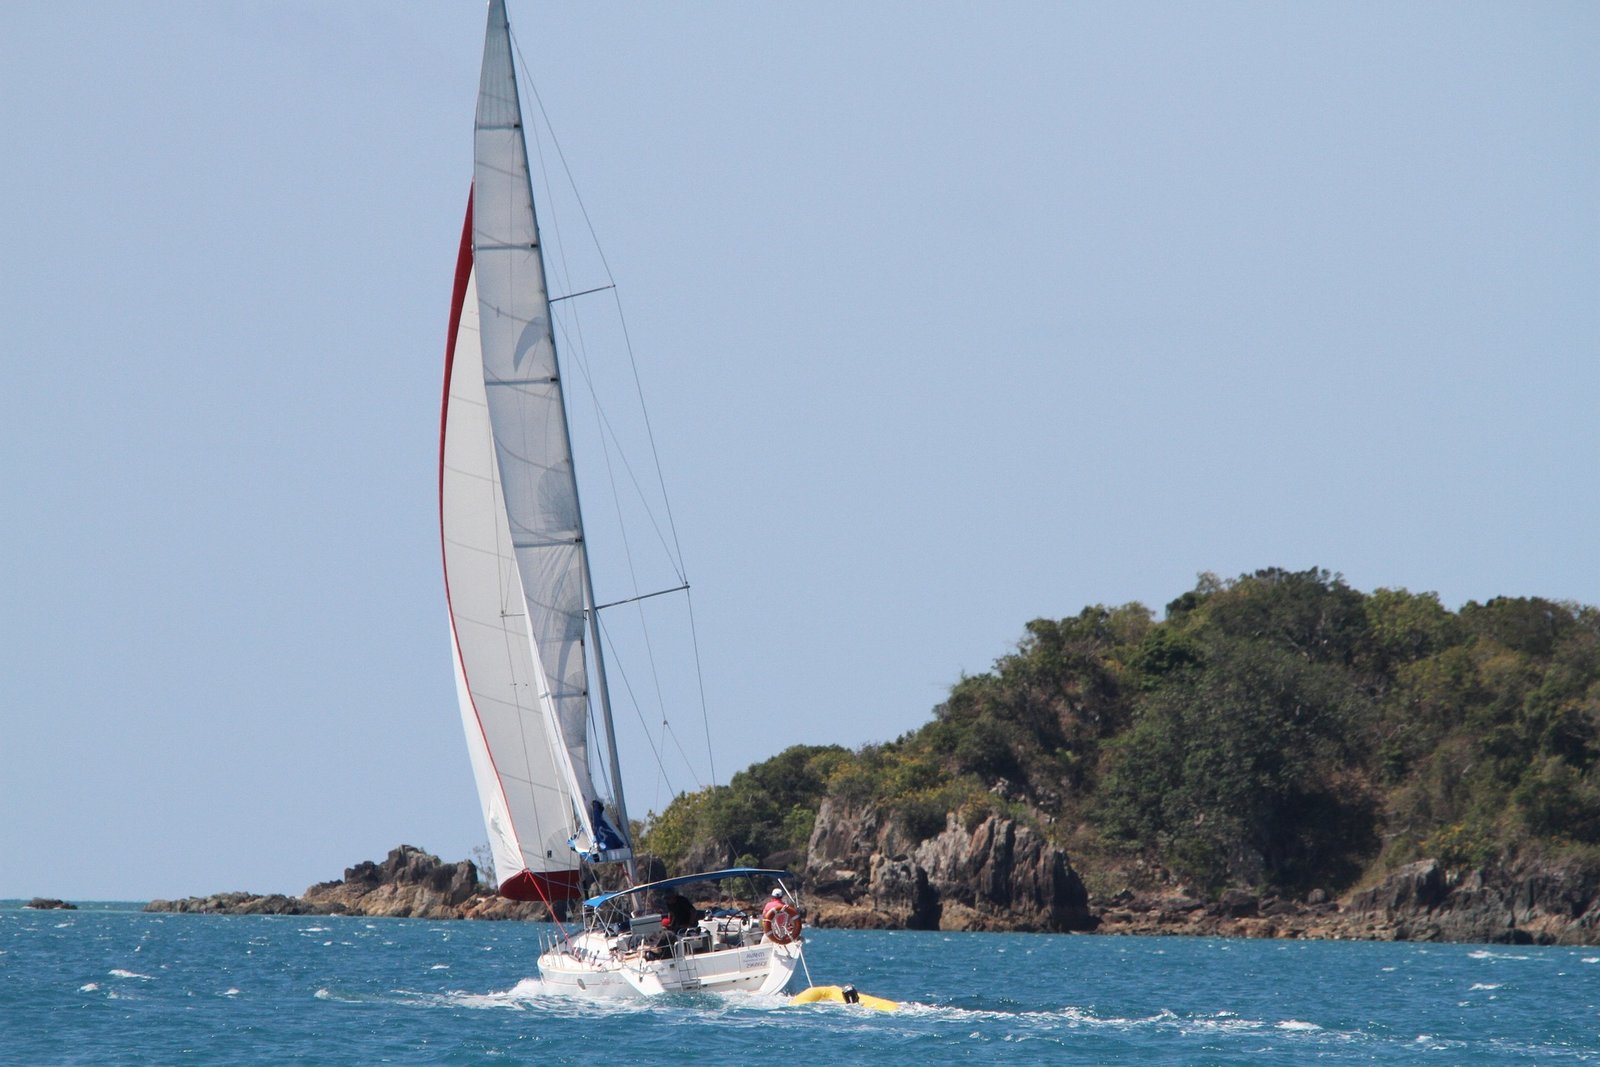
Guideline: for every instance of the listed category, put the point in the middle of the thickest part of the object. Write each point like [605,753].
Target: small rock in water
[49,903]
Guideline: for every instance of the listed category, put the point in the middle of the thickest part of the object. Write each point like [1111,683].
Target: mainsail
[516,570]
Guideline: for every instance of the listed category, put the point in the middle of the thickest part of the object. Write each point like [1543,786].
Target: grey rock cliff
[865,868]
[1521,901]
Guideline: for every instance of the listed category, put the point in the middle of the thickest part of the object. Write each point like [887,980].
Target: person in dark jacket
[682,916]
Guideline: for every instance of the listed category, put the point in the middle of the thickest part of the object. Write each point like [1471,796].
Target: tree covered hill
[1280,731]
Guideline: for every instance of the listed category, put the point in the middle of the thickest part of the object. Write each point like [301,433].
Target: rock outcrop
[410,883]
[50,904]
[241,904]
[1519,902]
[1235,913]
[864,868]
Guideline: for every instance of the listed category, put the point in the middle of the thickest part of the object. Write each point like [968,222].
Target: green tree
[765,809]
[1311,612]
[1248,772]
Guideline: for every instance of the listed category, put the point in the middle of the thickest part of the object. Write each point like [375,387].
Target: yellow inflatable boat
[846,994]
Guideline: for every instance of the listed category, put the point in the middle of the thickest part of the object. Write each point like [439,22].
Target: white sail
[527,806]
[522,616]
[515,566]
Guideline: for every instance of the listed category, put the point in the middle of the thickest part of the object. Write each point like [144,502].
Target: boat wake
[745,1019]
[1020,1024]
[533,994]
[529,994]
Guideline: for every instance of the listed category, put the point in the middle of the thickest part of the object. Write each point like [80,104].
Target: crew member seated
[681,918]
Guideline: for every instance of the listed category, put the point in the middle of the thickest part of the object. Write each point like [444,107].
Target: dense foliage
[1280,730]
[764,812]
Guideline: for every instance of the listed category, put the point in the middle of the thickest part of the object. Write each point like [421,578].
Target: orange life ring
[781,924]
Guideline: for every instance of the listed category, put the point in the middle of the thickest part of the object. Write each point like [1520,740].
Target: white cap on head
[777,892]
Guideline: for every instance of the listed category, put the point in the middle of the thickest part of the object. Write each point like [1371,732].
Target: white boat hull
[587,966]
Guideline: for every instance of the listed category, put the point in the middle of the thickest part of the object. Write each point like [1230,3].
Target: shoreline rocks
[408,884]
[865,870]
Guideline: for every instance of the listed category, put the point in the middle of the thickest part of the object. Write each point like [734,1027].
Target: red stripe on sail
[458,299]
[548,887]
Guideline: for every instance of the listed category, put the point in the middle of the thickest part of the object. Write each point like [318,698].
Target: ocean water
[110,985]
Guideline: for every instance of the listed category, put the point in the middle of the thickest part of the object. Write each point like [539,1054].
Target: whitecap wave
[1484,985]
[118,972]
[463,999]
[1221,1023]
[89,987]
[519,997]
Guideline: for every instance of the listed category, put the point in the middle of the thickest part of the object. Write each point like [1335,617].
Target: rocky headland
[1280,755]
[865,871]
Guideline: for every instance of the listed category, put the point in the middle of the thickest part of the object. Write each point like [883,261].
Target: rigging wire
[554,259]
[576,347]
[639,712]
[674,551]
[622,319]
[705,719]
[614,450]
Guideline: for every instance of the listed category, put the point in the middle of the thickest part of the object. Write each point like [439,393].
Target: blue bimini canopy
[668,883]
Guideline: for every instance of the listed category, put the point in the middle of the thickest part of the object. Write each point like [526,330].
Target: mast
[613,766]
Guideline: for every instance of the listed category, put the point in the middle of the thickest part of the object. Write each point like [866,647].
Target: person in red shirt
[780,920]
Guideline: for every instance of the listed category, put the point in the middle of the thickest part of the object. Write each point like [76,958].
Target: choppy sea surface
[109,984]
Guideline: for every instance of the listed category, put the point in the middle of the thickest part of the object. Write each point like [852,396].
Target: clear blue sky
[949,315]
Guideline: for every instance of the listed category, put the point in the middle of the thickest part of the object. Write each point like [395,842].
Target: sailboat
[530,675]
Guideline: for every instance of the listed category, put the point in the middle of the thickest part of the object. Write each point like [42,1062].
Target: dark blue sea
[109,984]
